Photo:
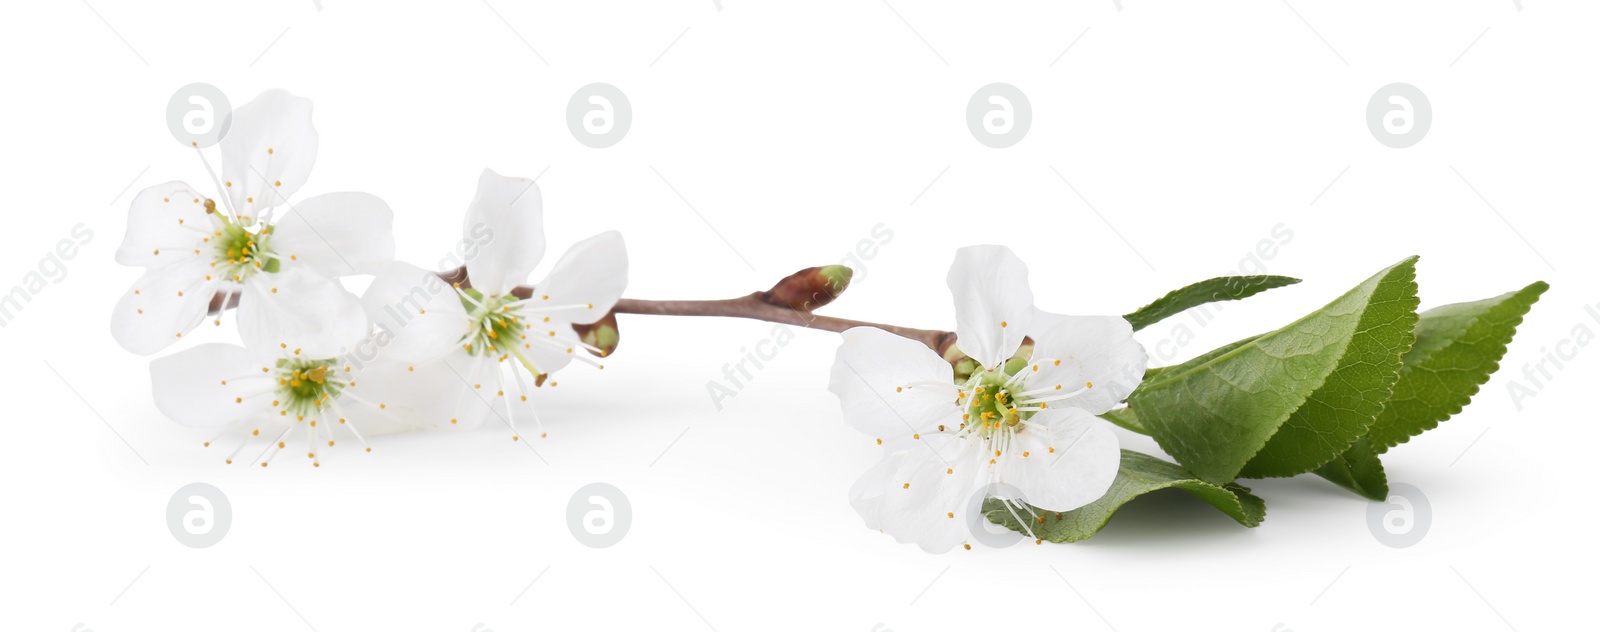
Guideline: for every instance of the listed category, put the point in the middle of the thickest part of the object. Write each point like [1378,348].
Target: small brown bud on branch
[601,334]
[810,288]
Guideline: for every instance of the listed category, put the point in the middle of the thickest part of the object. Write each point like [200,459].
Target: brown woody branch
[753,306]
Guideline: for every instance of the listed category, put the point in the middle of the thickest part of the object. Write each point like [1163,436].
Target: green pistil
[241,252]
[497,327]
[991,406]
[302,384]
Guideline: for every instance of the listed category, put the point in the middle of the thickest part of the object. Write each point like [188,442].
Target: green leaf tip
[1458,347]
[1227,288]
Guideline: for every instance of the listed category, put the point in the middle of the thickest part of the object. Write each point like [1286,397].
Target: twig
[754,306]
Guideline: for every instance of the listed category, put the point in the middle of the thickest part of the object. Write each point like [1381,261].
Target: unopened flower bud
[601,334]
[810,288]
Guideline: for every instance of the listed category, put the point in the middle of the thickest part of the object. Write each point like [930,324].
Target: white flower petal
[337,234]
[993,302]
[592,274]
[268,151]
[871,374]
[920,495]
[396,397]
[1098,350]
[420,316]
[512,212]
[163,305]
[547,353]
[1072,457]
[210,385]
[469,405]
[166,222]
[581,288]
[301,309]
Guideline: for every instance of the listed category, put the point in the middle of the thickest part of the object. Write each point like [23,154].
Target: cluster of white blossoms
[1021,428]
[439,347]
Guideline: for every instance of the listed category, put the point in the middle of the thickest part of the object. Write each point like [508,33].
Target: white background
[1192,129]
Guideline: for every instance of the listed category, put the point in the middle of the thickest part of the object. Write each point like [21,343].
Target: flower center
[998,402]
[240,251]
[498,326]
[305,385]
[992,403]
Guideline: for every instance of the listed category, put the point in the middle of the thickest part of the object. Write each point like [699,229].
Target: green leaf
[1358,470]
[1126,418]
[1139,474]
[1152,372]
[1228,288]
[1458,347]
[1288,401]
